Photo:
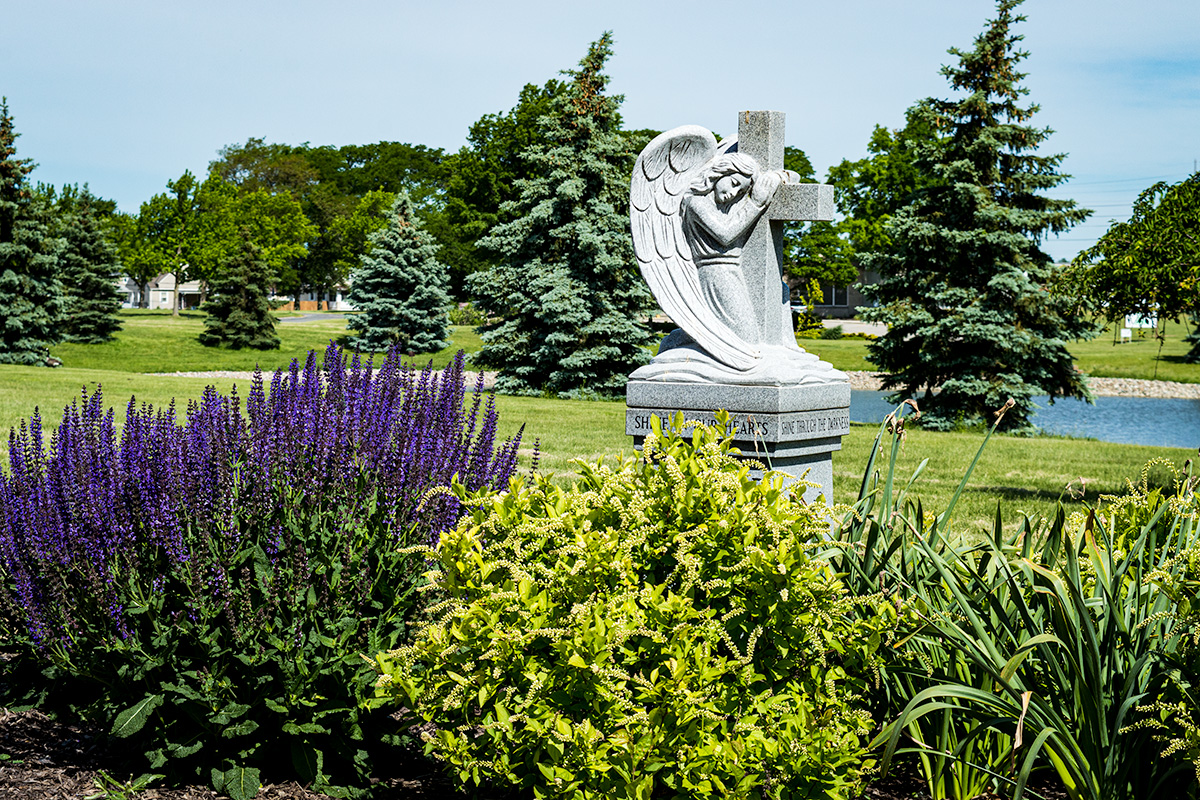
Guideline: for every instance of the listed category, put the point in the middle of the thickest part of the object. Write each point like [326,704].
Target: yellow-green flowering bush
[659,629]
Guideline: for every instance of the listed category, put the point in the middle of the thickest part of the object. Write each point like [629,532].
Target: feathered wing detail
[663,174]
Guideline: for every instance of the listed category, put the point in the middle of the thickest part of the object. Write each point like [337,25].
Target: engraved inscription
[788,427]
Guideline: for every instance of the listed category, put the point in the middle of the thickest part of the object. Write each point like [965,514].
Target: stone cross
[760,136]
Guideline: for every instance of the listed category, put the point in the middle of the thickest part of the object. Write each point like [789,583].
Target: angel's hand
[765,186]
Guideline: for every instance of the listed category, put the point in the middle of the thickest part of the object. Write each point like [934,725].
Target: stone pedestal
[792,429]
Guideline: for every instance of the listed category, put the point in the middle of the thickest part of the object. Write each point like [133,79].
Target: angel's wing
[664,171]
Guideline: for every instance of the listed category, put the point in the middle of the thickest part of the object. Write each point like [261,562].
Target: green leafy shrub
[658,629]
[466,314]
[835,332]
[1173,718]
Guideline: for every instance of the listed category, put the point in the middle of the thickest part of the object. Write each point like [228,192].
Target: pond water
[1165,422]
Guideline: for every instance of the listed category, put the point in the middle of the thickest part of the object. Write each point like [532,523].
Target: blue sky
[126,94]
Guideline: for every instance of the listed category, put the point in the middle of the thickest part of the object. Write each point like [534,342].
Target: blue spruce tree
[964,281]
[90,268]
[32,303]
[400,288]
[573,305]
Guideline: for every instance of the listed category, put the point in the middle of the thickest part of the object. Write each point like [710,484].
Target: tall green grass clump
[1049,651]
[658,629]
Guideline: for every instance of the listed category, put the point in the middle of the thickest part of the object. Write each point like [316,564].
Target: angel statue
[693,205]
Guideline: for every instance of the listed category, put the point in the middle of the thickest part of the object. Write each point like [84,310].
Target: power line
[1118,180]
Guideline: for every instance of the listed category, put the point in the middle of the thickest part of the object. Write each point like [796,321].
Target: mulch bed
[46,760]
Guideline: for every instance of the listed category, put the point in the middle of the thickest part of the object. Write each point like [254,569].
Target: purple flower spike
[163,506]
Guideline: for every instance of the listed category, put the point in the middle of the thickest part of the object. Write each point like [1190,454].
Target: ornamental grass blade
[944,517]
[1013,664]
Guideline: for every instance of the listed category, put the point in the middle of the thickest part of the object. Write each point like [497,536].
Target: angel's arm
[726,228]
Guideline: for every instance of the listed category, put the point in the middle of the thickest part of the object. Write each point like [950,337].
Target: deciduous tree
[870,190]
[813,250]
[195,228]
[964,281]
[1149,265]
[574,307]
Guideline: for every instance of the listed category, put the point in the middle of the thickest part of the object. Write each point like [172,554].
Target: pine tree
[573,303]
[239,314]
[400,288]
[31,296]
[90,269]
[964,281]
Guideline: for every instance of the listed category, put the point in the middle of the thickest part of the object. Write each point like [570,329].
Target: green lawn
[154,341]
[1140,358]
[157,342]
[1098,357]
[1023,474]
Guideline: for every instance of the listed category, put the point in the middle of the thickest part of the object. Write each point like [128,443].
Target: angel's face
[730,187]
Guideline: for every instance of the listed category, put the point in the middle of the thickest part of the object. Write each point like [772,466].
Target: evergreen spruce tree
[573,303]
[239,314]
[90,269]
[32,304]
[964,281]
[400,288]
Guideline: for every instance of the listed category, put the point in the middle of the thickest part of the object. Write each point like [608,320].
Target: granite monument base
[793,429]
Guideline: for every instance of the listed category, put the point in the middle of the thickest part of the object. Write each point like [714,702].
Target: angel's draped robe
[716,235]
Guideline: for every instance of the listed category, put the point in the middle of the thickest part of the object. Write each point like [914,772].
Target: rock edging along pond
[1101,387]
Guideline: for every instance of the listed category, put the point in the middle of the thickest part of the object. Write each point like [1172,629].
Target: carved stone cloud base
[792,429]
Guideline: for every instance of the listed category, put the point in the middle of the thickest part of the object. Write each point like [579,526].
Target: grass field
[158,342]
[1098,357]
[1022,474]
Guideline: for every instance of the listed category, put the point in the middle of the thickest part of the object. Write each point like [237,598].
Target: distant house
[160,293]
[311,301]
[843,302]
[162,288]
[131,293]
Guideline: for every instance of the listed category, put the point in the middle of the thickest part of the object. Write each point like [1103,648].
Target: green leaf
[241,729]
[185,750]
[308,761]
[132,719]
[241,783]
[275,706]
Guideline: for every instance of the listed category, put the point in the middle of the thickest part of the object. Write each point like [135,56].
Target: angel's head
[728,177]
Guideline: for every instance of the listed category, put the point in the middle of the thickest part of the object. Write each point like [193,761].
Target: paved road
[313,317]
[855,326]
